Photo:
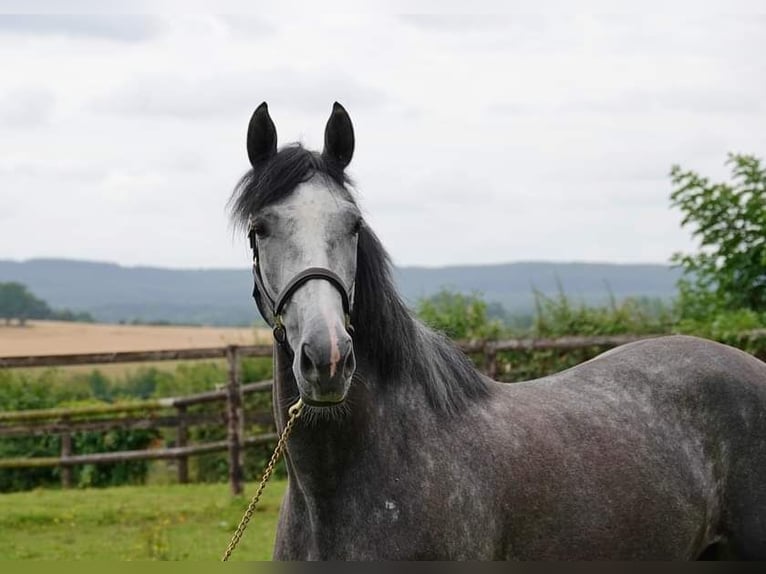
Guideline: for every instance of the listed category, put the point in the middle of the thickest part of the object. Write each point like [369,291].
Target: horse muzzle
[323,368]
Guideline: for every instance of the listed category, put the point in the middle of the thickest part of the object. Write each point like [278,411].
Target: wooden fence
[145,414]
[154,413]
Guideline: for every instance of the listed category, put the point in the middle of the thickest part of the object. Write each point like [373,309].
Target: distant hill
[113,293]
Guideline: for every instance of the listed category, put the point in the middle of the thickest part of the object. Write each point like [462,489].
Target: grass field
[153,522]
[176,522]
[53,337]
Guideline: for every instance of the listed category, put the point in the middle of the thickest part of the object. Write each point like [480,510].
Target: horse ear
[339,136]
[261,136]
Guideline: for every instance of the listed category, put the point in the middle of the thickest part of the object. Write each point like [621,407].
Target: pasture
[170,522]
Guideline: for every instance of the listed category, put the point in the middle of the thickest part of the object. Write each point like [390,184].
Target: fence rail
[133,356]
[145,414]
[145,405]
[153,413]
[128,455]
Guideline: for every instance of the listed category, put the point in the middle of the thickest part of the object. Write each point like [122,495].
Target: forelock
[278,177]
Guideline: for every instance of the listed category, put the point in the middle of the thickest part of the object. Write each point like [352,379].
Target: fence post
[66,452]
[490,360]
[182,439]
[234,422]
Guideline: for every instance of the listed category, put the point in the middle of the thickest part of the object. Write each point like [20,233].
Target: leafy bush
[465,317]
[23,390]
[728,272]
[214,467]
[458,316]
[559,316]
[741,328]
[16,302]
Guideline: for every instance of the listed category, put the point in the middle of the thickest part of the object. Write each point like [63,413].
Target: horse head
[304,227]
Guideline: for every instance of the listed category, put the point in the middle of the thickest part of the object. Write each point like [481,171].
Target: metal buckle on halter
[280,335]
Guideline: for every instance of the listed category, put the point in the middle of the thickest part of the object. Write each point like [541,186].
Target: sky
[480,138]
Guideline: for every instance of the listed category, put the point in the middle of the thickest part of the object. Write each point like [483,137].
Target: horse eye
[356,227]
[259,229]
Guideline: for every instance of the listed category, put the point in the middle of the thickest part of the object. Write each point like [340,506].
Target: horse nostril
[349,362]
[320,369]
[308,366]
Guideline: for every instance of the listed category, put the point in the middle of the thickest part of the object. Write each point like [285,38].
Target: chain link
[294,412]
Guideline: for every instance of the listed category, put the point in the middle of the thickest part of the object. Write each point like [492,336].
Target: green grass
[173,522]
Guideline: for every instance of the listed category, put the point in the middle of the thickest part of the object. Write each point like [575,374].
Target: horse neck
[284,390]
[321,449]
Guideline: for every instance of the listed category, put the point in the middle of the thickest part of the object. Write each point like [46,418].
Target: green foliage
[113,474]
[213,467]
[187,379]
[559,316]
[728,273]
[23,390]
[458,316]
[466,317]
[20,391]
[16,302]
[740,328]
[71,316]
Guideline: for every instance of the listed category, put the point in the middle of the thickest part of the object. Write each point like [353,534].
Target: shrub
[458,316]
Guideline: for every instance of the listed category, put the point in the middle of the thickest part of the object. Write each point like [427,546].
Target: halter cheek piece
[265,303]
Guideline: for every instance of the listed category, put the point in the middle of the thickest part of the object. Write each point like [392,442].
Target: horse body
[645,452]
[405,451]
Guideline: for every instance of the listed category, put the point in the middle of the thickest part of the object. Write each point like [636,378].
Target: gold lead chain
[294,412]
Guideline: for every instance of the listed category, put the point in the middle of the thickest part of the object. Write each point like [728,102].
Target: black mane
[276,178]
[387,338]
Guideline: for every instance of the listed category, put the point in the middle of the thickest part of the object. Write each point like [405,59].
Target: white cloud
[479,139]
[221,94]
[26,108]
[121,28]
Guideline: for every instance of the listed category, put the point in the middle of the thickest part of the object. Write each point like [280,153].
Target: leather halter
[265,302]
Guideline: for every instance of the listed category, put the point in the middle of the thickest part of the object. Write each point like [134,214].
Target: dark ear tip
[261,136]
[339,136]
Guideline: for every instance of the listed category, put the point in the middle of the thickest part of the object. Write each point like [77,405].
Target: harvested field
[52,337]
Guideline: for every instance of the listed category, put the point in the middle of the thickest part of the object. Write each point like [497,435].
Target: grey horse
[653,450]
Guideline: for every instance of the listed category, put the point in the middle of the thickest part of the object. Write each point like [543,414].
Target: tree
[728,273]
[16,302]
[458,316]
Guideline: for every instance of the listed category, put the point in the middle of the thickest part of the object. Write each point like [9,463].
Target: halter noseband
[261,294]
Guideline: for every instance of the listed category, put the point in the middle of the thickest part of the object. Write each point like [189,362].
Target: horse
[653,450]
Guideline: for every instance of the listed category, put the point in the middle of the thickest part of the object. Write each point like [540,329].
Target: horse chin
[322,403]
[324,398]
